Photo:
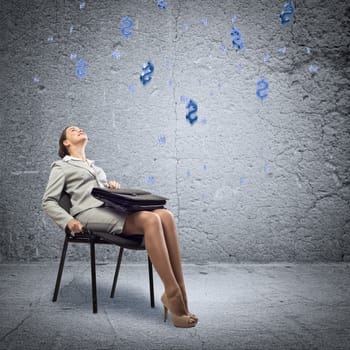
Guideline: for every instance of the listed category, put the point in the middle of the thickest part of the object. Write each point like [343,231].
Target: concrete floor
[241,306]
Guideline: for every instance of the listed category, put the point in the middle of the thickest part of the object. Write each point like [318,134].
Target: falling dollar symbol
[262,85]
[126,24]
[287,13]
[237,38]
[162,4]
[191,115]
[146,74]
[80,69]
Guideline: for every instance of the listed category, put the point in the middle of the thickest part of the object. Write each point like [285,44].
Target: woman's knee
[165,215]
[142,221]
[152,219]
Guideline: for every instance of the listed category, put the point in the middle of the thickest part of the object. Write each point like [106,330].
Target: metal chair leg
[115,279]
[151,289]
[60,269]
[93,274]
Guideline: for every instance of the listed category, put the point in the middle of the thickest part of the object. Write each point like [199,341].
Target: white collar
[68,158]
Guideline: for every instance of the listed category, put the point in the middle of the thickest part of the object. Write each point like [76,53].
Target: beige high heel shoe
[164,297]
[181,321]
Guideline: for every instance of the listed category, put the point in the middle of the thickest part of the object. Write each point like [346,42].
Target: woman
[76,175]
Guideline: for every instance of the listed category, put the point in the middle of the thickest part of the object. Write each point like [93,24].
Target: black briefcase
[129,199]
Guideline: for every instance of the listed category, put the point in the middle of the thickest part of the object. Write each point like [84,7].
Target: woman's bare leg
[173,246]
[149,224]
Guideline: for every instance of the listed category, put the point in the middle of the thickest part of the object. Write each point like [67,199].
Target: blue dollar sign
[287,13]
[126,24]
[146,74]
[80,69]
[262,85]
[161,140]
[150,180]
[237,38]
[162,4]
[191,115]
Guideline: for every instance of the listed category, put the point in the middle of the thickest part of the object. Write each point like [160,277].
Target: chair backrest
[65,202]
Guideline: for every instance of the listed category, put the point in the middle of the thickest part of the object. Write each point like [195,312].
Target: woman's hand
[75,226]
[113,185]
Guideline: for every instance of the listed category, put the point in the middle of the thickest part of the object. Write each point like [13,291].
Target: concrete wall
[251,180]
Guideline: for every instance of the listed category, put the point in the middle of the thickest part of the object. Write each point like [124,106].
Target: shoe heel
[165,313]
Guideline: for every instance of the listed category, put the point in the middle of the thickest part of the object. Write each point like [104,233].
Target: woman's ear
[66,143]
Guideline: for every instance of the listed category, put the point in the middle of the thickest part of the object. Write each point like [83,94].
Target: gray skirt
[105,219]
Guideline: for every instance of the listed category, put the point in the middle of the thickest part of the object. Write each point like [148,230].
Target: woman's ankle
[176,304]
[173,291]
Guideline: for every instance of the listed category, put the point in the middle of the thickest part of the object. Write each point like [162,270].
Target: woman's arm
[52,196]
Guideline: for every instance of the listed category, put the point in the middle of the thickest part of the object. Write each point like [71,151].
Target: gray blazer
[76,178]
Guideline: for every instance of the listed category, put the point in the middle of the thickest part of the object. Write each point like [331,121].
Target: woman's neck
[77,153]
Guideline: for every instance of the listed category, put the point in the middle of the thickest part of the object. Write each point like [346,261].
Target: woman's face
[75,135]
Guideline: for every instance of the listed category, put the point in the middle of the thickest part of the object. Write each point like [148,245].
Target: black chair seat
[135,242]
